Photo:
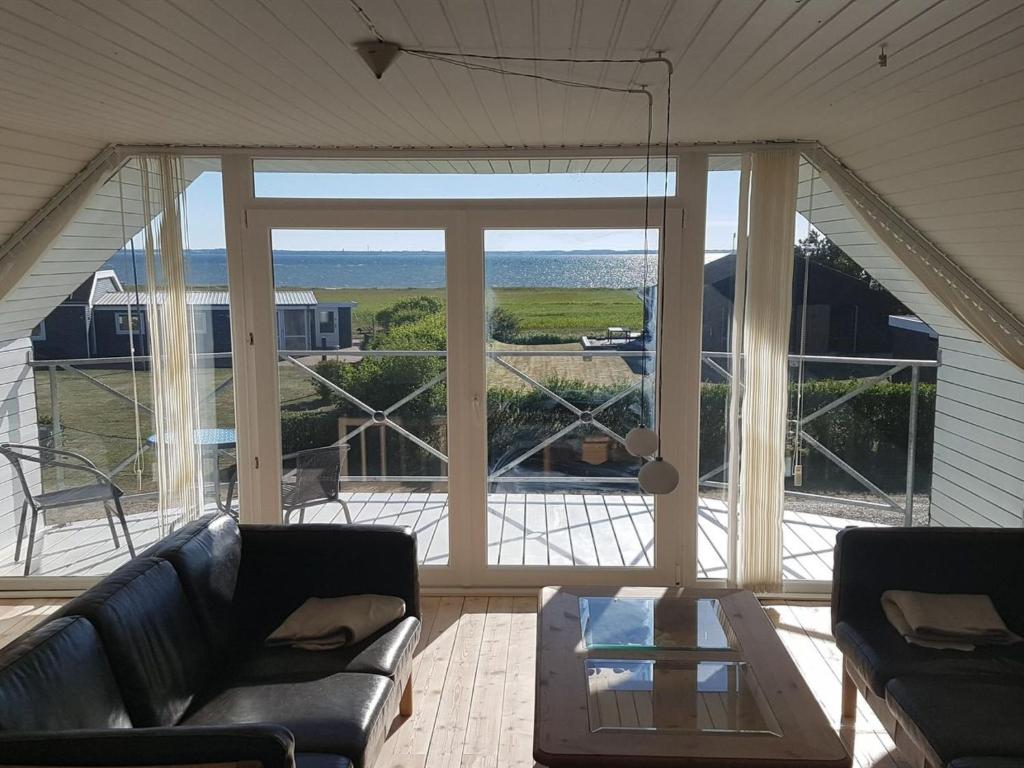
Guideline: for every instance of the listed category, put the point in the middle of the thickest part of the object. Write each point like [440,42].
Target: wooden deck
[473,682]
[522,529]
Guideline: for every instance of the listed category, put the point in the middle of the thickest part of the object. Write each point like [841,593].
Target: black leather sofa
[163,662]
[943,708]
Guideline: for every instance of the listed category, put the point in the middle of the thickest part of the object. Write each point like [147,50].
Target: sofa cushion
[388,652]
[954,716]
[346,714]
[879,653]
[206,553]
[160,657]
[57,677]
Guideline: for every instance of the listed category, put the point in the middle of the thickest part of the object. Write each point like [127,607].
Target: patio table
[208,439]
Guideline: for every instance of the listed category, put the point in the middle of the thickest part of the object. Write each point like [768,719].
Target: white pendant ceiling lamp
[657,476]
[642,441]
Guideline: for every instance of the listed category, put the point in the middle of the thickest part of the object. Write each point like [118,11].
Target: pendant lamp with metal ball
[657,476]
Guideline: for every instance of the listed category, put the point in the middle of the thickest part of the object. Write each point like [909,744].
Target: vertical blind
[769,299]
[172,350]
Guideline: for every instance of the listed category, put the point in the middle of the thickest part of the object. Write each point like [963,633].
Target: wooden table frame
[562,733]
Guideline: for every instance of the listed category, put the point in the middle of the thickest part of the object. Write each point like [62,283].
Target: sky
[205,211]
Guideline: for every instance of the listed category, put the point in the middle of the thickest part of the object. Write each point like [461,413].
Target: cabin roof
[206,298]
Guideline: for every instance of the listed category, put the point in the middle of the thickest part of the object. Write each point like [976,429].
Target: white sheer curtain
[769,299]
[172,352]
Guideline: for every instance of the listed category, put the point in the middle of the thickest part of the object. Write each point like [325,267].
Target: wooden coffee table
[671,677]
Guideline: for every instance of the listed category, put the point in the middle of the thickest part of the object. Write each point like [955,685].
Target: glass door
[488,365]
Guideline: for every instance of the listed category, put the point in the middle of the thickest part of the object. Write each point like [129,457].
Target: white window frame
[41,335]
[464,222]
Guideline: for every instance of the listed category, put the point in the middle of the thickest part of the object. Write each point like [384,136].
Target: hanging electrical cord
[646,281]
[455,60]
[798,465]
[364,16]
[661,248]
[138,463]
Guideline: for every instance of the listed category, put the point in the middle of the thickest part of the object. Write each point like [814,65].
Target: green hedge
[869,431]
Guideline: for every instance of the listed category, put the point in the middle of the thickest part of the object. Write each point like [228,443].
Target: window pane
[717,388]
[364,392]
[462,178]
[570,336]
[851,402]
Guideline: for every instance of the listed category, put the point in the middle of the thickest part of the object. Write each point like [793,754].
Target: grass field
[563,311]
[102,425]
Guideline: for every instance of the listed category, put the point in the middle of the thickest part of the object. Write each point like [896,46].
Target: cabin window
[326,320]
[199,323]
[126,322]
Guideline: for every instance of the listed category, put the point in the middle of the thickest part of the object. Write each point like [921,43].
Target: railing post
[908,514]
[57,429]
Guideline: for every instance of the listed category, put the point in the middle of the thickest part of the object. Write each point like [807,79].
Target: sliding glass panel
[362,340]
[462,178]
[722,237]
[570,334]
[90,386]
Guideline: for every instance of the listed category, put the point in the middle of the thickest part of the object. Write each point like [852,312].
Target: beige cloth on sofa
[325,623]
[957,622]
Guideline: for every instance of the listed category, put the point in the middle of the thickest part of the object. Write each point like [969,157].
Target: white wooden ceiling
[939,132]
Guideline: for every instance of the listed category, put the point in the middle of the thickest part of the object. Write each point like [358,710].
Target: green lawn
[563,311]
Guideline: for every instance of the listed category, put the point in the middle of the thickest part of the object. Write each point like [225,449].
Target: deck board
[532,529]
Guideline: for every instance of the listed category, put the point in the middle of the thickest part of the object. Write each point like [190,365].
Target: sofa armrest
[271,746]
[284,565]
[869,561]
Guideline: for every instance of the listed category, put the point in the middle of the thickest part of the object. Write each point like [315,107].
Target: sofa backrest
[160,657]
[58,677]
[869,561]
[205,554]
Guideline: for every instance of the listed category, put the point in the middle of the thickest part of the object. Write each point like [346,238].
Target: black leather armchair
[941,706]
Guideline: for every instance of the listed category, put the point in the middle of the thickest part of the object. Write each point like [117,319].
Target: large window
[93,376]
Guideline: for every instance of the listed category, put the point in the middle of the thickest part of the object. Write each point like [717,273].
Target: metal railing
[582,418]
[892,367]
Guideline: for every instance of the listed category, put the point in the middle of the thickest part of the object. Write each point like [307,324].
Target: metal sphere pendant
[641,441]
[658,477]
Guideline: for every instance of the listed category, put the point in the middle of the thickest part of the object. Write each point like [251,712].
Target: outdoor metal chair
[310,477]
[102,489]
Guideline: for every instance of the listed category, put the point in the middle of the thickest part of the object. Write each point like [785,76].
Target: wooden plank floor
[473,681]
[526,529]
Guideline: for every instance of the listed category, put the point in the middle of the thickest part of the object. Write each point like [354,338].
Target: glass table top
[676,696]
[648,623]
